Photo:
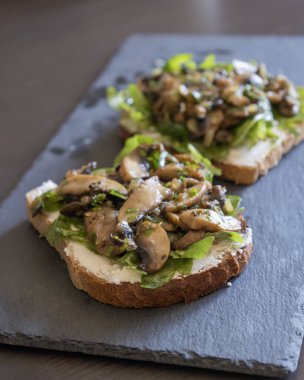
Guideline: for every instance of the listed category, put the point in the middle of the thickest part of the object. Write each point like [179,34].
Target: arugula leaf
[176,63]
[172,266]
[68,228]
[131,144]
[196,250]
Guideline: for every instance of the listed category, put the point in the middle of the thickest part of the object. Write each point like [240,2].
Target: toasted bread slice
[117,285]
[244,165]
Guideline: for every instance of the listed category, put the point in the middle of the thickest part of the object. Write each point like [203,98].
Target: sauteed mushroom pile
[219,105]
[155,202]
[211,102]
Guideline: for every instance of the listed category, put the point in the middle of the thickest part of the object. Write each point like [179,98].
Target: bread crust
[247,175]
[126,295]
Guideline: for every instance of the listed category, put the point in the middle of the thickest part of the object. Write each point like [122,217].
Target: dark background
[50,52]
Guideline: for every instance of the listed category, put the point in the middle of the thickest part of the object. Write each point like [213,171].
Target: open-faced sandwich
[150,231]
[236,114]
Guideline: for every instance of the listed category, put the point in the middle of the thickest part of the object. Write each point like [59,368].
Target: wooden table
[50,53]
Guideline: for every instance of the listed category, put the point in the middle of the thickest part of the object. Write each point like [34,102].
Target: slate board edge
[172,358]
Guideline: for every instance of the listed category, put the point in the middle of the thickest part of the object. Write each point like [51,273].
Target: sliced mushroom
[209,220]
[100,225]
[123,239]
[75,208]
[153,246]
[107,185]
[189,238]
[169,227]
[133,166]
[85,169]
[289,106]
[170,171]
[218,193]
[147,196]
[188,198]
[82,183]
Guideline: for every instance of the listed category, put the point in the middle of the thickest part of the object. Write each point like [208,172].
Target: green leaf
[199,157]
[165,275]
[176,63]
[130,100]
[153,281]
[131,144]
[242,131]
[117,194]
[183,266]
[68,228]
[131,260]
[140,101]
[196,250]
[98,200]
[214,151]
[208,63]
[175,130]
[231,206]
[50,201]
[232,236]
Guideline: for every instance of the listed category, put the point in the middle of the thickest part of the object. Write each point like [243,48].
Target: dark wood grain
[50,52]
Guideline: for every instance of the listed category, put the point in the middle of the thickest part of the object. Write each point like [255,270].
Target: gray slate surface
[256,326]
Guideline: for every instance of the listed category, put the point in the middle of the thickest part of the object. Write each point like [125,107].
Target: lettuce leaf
[176,63]
[131,144]
[50,201]
[130,100]
[210,63]
[231,236]
[196,250]
[172,266]
[232,204]
[131,260]
[213,170]
[175,130]
[68,228]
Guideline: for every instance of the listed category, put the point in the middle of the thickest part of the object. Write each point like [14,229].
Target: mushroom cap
[188,198]
[209,220]
[100,225]
[133,166]
[84,183]
[153,246]
[145,197]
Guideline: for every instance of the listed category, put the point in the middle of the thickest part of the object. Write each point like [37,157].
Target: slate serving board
[256,326]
